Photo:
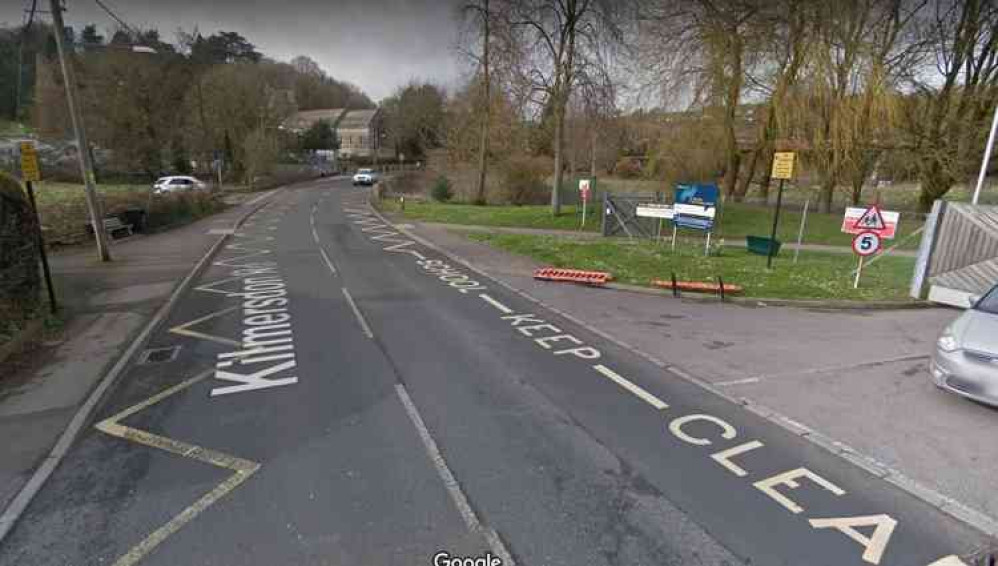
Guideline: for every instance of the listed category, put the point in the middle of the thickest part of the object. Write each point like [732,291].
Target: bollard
[675,286]
[720,287]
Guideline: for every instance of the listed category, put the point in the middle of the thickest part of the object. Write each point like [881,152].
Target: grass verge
[817,275]
[736,221]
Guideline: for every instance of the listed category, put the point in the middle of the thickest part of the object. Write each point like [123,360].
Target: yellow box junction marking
[242,469]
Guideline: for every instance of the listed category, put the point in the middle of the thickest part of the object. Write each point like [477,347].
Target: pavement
[331,391]
[104,306]
[580,235]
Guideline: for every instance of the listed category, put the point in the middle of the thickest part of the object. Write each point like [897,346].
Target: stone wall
[20,280]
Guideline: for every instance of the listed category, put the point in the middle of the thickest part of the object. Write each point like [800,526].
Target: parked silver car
[966,358]
[175,183]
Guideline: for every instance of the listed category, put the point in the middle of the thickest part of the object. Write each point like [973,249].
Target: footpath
[105,306]
[853,381]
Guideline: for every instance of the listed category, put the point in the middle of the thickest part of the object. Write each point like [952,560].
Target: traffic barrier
[572,275]
[698,286]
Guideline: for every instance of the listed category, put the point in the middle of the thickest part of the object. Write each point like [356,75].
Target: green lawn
[816,276]
[736,221]
[54,193]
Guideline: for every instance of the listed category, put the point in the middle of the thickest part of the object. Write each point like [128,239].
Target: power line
[114,16]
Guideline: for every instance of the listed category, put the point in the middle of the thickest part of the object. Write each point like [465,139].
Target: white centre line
[315,235]
[502,308]
[450,482]
[357,313]
[329,262]
[633,388]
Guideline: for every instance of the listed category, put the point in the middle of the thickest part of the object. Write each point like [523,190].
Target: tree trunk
[731,176]
[483,149]
[767,180]
[935,184]
[559,143]
[826,194]
[746,180]
[592,155]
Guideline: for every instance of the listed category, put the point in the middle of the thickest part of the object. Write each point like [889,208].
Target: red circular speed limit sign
[866,243]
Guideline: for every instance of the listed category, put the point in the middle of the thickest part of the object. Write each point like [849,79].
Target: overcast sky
[375,44]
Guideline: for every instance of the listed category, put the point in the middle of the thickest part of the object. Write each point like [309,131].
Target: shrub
[441,191]
[627,168]
[523,180]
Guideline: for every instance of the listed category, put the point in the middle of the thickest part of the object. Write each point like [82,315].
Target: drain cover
[159,355]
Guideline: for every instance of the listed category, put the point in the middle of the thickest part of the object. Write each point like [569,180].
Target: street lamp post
[86,162]
[987,157]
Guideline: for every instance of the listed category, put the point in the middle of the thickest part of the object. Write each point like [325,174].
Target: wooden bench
[113,225]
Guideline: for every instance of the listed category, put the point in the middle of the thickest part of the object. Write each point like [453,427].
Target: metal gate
[620,215]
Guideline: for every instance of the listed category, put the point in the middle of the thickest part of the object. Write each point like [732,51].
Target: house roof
[304,119]
[357,119]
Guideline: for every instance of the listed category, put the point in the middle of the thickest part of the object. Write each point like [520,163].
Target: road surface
[330,391]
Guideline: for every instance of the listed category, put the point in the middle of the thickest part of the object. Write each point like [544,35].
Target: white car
[175,183]
[364,177]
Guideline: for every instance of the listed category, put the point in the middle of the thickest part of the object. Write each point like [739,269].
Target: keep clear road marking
[501,307]
[242,469]
[630,386]
[450,482]
[357,313]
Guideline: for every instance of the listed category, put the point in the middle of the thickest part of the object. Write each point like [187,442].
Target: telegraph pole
[83,149]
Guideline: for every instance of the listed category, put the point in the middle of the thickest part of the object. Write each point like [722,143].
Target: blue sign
[703,194]
[694,222]
[695,206]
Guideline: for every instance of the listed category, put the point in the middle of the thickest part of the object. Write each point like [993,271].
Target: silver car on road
[966,357]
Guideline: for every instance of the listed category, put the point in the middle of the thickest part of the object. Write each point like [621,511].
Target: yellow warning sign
[783,165]
[29,162]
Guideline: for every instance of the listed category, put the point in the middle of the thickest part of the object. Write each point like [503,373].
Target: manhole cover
[159,355]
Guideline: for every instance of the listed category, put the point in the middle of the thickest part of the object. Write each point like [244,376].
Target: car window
[180,182]
[989,303]
[364,171]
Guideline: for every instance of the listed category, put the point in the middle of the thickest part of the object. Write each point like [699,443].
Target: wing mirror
[972,300]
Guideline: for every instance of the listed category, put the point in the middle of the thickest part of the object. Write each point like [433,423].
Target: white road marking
[745,381]
[450,482]
[329,262]
[356,311]
[632,387]
[502,308]
[315,235]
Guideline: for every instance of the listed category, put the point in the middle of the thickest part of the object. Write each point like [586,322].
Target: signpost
[585,191]
[695,208]
[871,227]
[30,172]
[864,244]
[783,169]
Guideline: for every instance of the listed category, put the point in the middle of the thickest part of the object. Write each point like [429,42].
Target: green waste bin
[760,245]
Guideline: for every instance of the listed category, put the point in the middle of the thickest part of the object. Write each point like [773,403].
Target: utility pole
[986,160]
[83,148]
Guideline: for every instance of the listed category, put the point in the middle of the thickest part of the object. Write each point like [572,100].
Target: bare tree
[699,51]
[549,47]
[479,14]
[947,117]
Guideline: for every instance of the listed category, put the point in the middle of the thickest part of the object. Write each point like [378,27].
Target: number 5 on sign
[864,244]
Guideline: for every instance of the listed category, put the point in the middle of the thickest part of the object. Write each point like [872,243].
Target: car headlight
[947,343]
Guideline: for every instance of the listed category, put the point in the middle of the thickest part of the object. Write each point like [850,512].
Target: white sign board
[695,210]
[656,211]
[883,222]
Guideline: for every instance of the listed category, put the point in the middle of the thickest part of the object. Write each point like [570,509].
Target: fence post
[920,279]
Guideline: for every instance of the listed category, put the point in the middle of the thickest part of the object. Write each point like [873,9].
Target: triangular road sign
[871,220]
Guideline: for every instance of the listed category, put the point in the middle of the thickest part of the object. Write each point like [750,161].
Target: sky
[376,44]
